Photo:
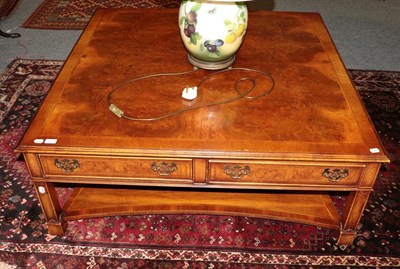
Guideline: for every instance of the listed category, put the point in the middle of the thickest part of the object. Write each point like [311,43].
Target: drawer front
[117,167]
[283,173]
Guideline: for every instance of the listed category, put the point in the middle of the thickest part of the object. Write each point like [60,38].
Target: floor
[366,32]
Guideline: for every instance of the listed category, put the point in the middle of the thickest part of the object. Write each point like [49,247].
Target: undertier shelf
[309,208]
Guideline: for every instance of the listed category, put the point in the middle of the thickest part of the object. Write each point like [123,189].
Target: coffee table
[278,156]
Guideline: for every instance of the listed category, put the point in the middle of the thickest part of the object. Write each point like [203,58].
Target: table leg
[351,216]
[51,207]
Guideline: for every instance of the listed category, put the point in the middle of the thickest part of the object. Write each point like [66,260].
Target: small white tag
[50,141]
[374,150]
[41,189]
[38,141]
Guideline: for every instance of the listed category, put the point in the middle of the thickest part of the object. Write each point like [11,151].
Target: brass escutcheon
[164,169]
[66,165]
[236,171]
[335,175]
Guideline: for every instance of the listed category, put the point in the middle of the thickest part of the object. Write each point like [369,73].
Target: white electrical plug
[189,93]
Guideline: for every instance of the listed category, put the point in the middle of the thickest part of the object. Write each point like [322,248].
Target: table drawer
[117,167]
[283,173]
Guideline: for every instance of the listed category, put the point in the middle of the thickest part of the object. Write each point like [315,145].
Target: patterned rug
[187,241]
[75,14]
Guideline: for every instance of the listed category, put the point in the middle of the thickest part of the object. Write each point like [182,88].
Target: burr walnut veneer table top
[276,156]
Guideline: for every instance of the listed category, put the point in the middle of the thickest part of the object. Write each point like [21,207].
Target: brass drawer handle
[236,171]
[335,175]
[66,165]
[164,169]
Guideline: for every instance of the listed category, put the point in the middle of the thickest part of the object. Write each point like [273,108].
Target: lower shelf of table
[309,208]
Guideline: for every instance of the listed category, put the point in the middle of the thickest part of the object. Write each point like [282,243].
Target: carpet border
[206,256]
[9,69]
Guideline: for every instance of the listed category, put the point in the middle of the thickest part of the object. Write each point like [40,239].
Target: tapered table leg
[351,217]
[51,207]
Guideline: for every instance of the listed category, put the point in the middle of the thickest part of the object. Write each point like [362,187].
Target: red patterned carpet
[188,241]
[75,14]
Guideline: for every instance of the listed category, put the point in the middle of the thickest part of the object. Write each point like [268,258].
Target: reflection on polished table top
[275,156]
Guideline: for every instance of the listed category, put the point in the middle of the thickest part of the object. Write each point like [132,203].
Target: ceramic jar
[212,31]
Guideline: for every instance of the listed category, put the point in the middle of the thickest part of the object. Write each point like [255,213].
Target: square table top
[312,113]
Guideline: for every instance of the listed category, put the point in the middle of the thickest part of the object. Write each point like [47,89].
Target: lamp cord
[246,94]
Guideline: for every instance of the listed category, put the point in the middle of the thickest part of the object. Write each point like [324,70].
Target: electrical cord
[246,94]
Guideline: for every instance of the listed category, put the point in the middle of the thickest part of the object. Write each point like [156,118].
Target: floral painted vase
[212,31]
